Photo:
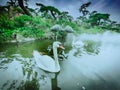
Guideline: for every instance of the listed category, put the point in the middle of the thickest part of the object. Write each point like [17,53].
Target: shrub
[6,23]
[21,20]
[5,35]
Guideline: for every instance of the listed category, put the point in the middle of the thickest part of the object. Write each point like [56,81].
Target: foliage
[39,26]
[48,11]
[24,25]
[5,22]
[17,9]
[31,27]
[30,32]
[92,30]
[95,19]
[83,8]
[5,35]
[21,20]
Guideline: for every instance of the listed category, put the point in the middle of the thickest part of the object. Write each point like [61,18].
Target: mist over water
[93,66]
[91,69]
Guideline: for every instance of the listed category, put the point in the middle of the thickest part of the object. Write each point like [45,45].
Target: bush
[6,23]
[30,32]
[5,35]
[22,20]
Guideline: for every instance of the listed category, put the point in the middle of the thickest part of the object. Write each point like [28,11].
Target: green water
[95,66]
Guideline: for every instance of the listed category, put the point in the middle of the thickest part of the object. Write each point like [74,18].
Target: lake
[92,66]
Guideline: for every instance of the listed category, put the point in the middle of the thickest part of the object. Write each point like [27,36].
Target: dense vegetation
[16,19]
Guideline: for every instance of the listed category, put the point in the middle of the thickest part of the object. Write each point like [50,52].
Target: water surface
[94,66]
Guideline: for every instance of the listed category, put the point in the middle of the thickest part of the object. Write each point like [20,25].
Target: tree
[21,4]
[12,3]
[83,8]
[65,16]
[93,13]
[54,11]
[46,9]
[97,18]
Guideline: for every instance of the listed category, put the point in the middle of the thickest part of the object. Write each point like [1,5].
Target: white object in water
[47,63]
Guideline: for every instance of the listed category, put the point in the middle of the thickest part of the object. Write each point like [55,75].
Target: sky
[72,6]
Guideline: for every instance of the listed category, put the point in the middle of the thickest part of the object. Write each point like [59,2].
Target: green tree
[97,18]
[65,16]
[83,9]
[49,9]
[21,4]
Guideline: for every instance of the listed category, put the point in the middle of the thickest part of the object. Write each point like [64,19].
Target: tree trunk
[10,11]
[21,4]
[53,14]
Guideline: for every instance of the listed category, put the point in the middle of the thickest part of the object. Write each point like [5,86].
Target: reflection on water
[94,66]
